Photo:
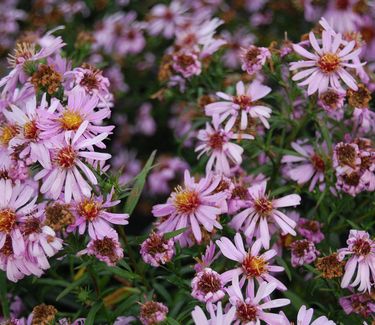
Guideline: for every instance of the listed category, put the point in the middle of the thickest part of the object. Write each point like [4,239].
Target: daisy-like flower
[252,264]
[80,108]
[186,63]
[27,119]
[207,286]
[243,106]
[304,317]
[308,166]
[93,213]
[207,258]
[253,58]
[217,316]
[69,155]
[303,252]
[153,312]
[15,201]
[346,158]
[359,303]
[215,142]
[195,206]
[157,250]
[331,100]
[261,211]
[327,64]
[106,249]
[250,309]
[361,252]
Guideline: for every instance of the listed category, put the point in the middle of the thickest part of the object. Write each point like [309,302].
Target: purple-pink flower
[157,250]
[303,252]
[207,286]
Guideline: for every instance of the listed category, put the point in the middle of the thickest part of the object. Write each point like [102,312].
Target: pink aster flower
[193,206]
[80,108]
[252,264]
[153,312]
[157,250]
[361,252]
[69,155]
[25,53]
[304,317]
[253,58]
[207,286]
[262,211]
[106,249]
[250,309]
[215,142]
[331,100]
[359,303]
[346,158]
[93,213]
[310,229]
[306,166]
[217,316]
[342,15]
[15,201]
[303,252]
[207,258]
[187,63]
[327,64]
[243,106]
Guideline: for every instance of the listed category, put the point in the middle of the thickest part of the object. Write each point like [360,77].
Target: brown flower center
[318,163]
[66,157]
[352,179]
[7,220]
[216,141]
[342,4]
[246,312]
[252,54]
[361,247]
[242,100]
[359,98]
[300,247]
[58,216]
[329,62]
[106,247]
[263,206]
[155,244]
[240,192]
[7,249]
[43,314]
[330,266]
[32,225]
[254,266]
[209,283]
[185,60]
[330,98]
[368,34]
[346,155]
[89,209]
[46,78]
[186,201]
[30,130]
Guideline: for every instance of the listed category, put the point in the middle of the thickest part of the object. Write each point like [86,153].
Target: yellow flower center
[263,206]
[7,133]
[254,266]
[71,120]
[89,209]
[7,220]
[65,157]
[30,130]
[185,201]
[329,63]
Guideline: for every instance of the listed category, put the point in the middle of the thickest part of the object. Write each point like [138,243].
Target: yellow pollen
[23,52]
[71,120]
[254,266]
[329,62]
[7,220]
[185,201]
[7,133]
[30,130]
[89,209]
[263,206]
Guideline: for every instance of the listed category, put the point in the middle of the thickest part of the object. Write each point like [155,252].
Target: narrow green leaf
[175,233]
[91,315]
[281,262]
[72,286]
[140,181]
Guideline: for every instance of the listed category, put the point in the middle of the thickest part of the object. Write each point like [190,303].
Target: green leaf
[295,299]
[140,181]
[172,321]
[123,273]
[72,286]
[3,295]
[175,233]
[91,315]
[281,262]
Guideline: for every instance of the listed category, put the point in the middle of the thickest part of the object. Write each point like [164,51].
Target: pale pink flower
[359,303]
[15,202]
[303,252]
[361,252]
[243,106]
[327,64]
[331,100]
[193,206]
[253,58]
[207,286]
[342,15]
[346,158]
[217,316]
[310,229]
[152,312]
[69,160]
[207,258]
[262,211]
[157,250]
[92,213]
[306,166]
[215,141]
[304,317]
[187,63]
[251,264]
[250,309]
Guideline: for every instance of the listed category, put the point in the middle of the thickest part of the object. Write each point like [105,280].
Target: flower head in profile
[242,107]
[250,309]
[157,250]
[93,214]
[215,141]
[207,286]
[69,161]
[361,260]
[217,316]
[262,211]
[327,65]
[195,206]
[252,265]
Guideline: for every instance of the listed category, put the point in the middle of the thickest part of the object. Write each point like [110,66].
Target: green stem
[3,295]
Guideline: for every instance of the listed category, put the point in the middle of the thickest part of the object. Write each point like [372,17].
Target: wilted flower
[253,58]
[207,286]
[157,250]
[153,313]
[303,252]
